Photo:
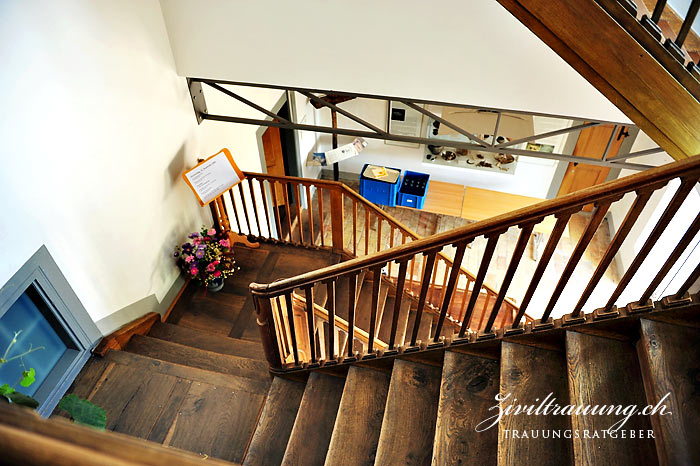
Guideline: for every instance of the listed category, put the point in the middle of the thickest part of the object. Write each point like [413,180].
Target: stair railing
[640,187]
[327,214]
[664,41]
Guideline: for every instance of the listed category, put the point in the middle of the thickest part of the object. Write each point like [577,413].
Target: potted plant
[206,258]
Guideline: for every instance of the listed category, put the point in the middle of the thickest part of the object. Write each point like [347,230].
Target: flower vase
[216,285]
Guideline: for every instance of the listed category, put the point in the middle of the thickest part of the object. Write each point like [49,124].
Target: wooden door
[274,157]
[591,144]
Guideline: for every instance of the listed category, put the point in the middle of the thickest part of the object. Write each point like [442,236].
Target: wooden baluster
[235,210]
[584,240]
[379,233]
[298,203]
[694,276]
[411,280]
[266,326]
[352,282]
[449,286]
[255,206]
[245,208]
[672,259]
[282,329]
[288,210]
[443,287]
[275,207]
[354,227]
[557,231]
[675,204]
[432,281]
[687,23]
[391,245]
[463,306]
[483,310]
[292,331]
[401,280]
[366,231]
[337,220]
[639,202]
[376,282]
[310,210]
[427,267]
[263,193]
[309,293]
[504,317]
[480,276]
[330,289]
[319,193]
[523,239]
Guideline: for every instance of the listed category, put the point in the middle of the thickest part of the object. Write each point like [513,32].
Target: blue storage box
[413,189]
[380,190]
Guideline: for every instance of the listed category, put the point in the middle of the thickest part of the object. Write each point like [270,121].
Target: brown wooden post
[266,325]
[337,219]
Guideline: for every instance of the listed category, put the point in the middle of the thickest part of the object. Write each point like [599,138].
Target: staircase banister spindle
[309,292]
[689,167]
[401,280]
[376,283]
[266,326]
[523,240]
[428,262]
[687,22]
[448,288]
[330,305]
[658,10]
[690,281]
[480,276]
[672,259]
[292,330]
[601,209]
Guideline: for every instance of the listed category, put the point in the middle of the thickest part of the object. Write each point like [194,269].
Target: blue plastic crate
[413,188]
[379,191]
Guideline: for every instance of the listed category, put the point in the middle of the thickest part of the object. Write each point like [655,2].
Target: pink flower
[217,274]
[196,241]
[216,263]
[206,238]
[211,232]
[225,243]
[211,267]
[194,271]
[189,259]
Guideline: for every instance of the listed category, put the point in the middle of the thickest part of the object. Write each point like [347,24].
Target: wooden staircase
[212,395]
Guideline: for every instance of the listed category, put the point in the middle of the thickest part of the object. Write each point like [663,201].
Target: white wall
[448,50]
[96,129]
[645,224]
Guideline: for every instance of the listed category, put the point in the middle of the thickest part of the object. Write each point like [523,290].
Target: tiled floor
[425,224]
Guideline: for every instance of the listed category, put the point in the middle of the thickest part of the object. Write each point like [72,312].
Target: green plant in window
[81,411]
[27,377]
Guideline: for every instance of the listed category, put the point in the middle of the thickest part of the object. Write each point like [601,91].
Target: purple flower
[194,235]
[199,253]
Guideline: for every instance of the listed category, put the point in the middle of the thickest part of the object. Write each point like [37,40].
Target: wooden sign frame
[229,157]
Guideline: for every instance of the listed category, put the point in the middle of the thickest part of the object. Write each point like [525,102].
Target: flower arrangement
[203,257]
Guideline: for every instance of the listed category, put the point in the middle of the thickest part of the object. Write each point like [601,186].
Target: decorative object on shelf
[504,159]
[435,150]
[462,151]
[206,258]
[448,155]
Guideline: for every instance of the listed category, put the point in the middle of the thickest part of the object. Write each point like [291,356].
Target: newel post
[266,325]
[337,219]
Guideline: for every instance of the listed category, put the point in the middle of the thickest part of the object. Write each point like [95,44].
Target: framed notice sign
[214,176]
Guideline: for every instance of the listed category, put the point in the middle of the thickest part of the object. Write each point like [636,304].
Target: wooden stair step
[275,424]
[668,356]
[359,421]
[194,357]
[148,364]
[313,426]
[408,427]
[606,371]
[529,374]
[207,341]
[469,386]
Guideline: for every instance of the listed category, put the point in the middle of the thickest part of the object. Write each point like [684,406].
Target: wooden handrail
[612,190]
[338,186]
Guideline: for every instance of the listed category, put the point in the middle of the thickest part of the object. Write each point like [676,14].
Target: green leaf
[28,377]
[84,412]
[23,400]
[6,390]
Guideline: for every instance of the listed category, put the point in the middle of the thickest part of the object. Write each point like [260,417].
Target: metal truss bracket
[197,97]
